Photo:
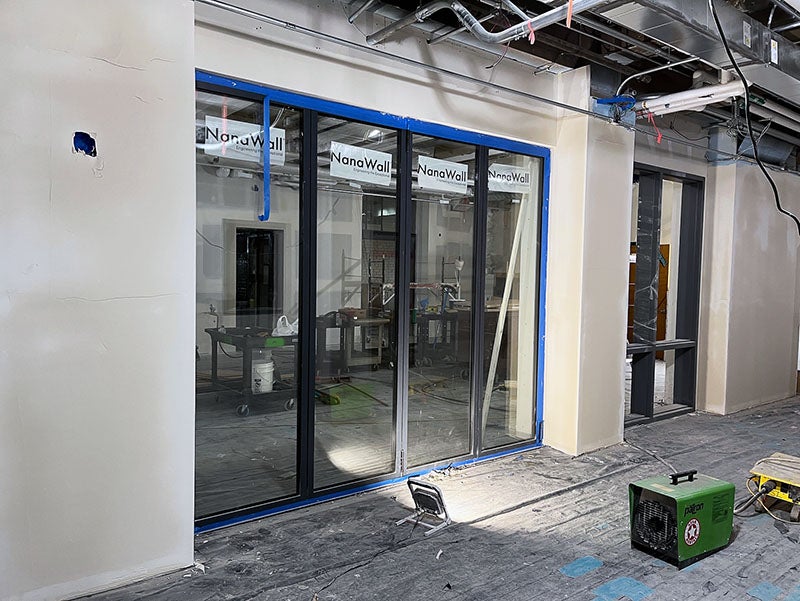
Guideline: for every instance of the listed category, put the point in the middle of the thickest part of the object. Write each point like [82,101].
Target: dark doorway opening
[259,277]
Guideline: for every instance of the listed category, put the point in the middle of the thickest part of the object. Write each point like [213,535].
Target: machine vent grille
[655,526]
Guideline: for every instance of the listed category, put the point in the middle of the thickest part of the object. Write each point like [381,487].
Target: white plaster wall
[96,308]
[762,351]
[715,288]
[564,269]
[609,174]
[671,155]
[587,278]
[284,59]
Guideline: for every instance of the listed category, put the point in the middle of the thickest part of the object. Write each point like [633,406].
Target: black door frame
[645,345]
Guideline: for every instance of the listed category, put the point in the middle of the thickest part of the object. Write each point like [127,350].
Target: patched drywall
[97,299]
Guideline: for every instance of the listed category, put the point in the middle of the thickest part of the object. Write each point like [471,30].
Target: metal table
[246,340]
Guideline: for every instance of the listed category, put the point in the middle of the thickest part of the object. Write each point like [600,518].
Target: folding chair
[428,501]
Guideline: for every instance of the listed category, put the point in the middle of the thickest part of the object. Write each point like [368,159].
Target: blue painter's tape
[622,587]
[581,567]
[766,591]
[266,158]
[794,595]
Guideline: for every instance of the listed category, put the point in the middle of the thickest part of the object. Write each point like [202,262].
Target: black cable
[765,489]
[749,121]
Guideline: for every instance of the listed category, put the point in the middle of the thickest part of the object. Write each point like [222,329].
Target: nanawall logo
[361,164]
[509,178]
[243,141]
[436,174]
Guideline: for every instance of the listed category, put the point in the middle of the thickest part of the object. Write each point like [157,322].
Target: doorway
[663,294]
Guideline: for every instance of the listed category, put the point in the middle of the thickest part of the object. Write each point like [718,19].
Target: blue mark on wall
[83,142]
[622,587]
[765,591]
[581,566]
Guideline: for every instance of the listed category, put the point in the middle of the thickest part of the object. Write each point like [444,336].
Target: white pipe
[686,105]
[694,97]
[669,111]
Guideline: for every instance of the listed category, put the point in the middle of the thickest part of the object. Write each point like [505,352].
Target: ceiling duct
[767,59]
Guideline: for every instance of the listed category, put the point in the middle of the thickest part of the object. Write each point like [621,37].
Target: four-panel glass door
[334,344]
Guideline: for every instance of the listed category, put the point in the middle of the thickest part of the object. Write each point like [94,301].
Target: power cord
[765,489]
[748,119]
[758,496]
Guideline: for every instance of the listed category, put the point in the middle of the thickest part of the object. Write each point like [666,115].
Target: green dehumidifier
[681,518]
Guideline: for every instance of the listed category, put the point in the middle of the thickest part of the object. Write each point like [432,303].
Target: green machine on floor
[681,518]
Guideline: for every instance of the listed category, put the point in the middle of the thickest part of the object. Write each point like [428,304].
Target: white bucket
[262,377]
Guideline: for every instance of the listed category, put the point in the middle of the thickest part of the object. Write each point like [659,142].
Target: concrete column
[587,278]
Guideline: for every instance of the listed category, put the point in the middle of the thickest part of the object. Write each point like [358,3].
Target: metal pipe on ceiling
[408,62]
[660,68]
[789,7]
[452,32]
[787,27]
[774,117]
[469,20]
[776,108]
[357,12]
[464,39]
[693,98]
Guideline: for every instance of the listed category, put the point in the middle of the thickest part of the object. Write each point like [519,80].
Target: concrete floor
[539,525]
[241,461]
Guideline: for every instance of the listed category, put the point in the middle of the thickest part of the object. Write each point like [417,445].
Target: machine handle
[678,475]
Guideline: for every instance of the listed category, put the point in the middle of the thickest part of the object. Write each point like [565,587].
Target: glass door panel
[355,404]
[511,299]
[247,274]
[440,327]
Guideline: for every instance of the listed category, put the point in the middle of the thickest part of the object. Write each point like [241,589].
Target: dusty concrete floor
[539,525]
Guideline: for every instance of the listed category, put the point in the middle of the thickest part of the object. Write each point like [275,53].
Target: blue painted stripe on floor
[659,563]
[581,566]
[692,567]
[622,587]
[794,595]
[766,591]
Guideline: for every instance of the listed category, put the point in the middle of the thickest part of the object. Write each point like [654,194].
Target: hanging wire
[750,131]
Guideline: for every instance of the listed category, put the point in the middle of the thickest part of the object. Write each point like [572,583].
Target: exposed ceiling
[623,38]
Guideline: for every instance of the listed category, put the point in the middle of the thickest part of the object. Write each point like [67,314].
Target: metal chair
[428,501]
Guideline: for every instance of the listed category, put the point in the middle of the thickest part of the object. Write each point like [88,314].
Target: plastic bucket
[263,374]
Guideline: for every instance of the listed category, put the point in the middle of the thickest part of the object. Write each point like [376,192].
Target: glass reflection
[356,310]
[440,334]
[247,291]
[511,303]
